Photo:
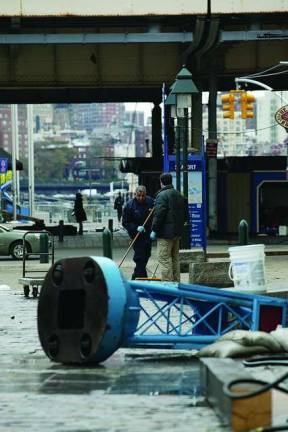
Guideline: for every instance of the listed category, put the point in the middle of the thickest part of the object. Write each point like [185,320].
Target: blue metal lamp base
[87,310]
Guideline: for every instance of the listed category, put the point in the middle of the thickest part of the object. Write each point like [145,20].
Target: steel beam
[252,35]
[95,38]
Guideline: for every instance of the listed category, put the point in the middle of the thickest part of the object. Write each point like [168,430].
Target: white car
[11,242]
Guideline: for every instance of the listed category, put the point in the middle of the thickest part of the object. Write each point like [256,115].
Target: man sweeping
[135,213]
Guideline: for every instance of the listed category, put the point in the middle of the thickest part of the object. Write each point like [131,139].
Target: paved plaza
[132,391]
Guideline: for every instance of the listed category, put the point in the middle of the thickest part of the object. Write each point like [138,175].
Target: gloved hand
[141,229]
[153,235]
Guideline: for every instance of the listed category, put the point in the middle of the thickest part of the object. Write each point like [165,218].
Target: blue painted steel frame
[191,316]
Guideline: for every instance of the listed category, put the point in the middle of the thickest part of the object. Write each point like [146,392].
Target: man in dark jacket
[134,214]
[170,214]
[118,204]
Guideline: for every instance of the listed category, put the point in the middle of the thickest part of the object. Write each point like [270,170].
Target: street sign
[196,197]
[3,165]
[211,148]
[281,116]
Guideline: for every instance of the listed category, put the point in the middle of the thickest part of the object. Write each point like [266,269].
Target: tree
[50,163]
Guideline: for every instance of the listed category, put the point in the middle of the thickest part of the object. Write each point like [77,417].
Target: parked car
[11,242]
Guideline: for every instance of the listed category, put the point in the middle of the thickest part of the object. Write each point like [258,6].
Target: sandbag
[252,338]
[281,335]
[229,348]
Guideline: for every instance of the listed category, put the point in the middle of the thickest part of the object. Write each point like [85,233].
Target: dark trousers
[142,253]
[119,213]
[80,227]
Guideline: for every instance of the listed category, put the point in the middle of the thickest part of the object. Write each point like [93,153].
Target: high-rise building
[6,128]
[43,116]
[135,118]
[96,115]
[231,134]
[270,135]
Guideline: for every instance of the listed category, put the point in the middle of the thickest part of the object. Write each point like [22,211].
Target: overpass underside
[100,59]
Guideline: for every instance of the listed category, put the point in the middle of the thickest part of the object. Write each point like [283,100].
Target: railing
[53,212]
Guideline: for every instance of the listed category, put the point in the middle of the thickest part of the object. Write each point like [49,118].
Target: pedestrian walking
[134,214]
[79,212]
[170,215]
[118,205]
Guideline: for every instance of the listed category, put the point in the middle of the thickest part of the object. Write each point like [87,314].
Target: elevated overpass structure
[121,51]
[118,50]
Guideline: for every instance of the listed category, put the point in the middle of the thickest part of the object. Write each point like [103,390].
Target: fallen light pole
[87,310]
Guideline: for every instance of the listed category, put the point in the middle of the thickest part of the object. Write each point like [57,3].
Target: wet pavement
[135,390]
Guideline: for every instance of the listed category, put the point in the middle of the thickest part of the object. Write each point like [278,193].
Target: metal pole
[177,161]
[17,157]
[185,153]
[31,187]
[14,136]
[212,163]
[185,241]
[260,84]
[89,164]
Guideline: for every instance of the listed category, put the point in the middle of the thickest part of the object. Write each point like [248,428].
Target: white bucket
[247,268]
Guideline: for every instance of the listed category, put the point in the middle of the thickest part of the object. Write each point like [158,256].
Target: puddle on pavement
[119,375]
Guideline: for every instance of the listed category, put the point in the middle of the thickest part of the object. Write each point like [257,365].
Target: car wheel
[16,250]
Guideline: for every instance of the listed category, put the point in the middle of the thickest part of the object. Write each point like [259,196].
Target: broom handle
[135,238]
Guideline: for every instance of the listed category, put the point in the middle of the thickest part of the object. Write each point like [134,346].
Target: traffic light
[228,105]
[247,106]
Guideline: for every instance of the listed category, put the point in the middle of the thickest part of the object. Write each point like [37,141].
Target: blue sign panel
[193,165]
[3,165]
[195,203]
[196,198]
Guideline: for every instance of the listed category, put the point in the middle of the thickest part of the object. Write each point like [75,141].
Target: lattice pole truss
[87,310]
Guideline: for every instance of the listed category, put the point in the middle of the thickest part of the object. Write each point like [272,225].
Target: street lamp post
[182,90]
[171,100]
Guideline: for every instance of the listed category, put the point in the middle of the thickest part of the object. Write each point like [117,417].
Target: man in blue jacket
[134,214]
[170,215]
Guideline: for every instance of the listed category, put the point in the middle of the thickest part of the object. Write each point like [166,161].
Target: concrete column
[212,163]
[156,132]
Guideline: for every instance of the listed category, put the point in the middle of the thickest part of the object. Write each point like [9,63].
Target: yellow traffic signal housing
[247,106]
[228,105]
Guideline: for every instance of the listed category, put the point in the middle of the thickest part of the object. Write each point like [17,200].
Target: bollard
[44,257]
[185,239]
[110,226]
[61,230]
[243,233]
[107,243]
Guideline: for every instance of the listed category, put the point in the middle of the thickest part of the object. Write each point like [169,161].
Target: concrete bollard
[107,243]
[243,233]
[110,226]
[61,231]
[44,257]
